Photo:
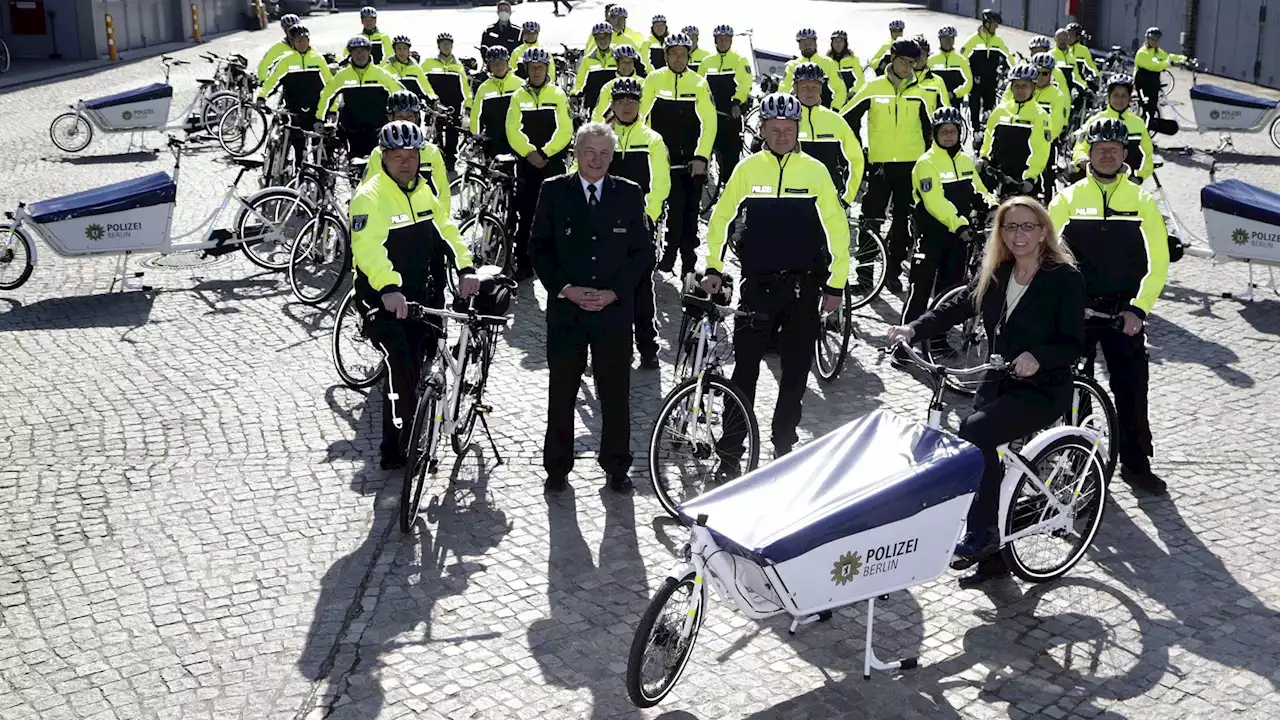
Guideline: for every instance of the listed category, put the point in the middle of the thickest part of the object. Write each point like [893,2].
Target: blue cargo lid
[153,189]
[1238,198]
[1221,95]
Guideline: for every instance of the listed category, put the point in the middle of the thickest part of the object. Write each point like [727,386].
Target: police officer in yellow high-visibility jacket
[401,65]
[987,55]
[881,58]
[1118,236]
[380,42]
[281,48]
[363,88]
[539,130]
[825,136]
[729,77]
[1018,137]
[1149,64]
[628,59]
[939,95]
[596,68]
[620,34]
[951,65]
[793,248]
[1140,151]
[834,95]
[448,78]
[896,109]
[847,61]
[491,100]
[405,106]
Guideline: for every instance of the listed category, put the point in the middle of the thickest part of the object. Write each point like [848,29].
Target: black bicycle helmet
[1023,72]
[1151,31]
[809,71]
[401,135]
[288,21]
[905,48]
[625,51]
[897,25]
[627,87]
[777,106]
[923,42]
[1075,27]
[723,30]
[368,11]
[840,34]
[444,36]
[536,55]
[401,40]
[531,26]
[298,31]
[947,31]
[403,101]
[990,15]
[1107,130]
[494,53]
[602,28]
[946,115]
[678,40]
[359,41]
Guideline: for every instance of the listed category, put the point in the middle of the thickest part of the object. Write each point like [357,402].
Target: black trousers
[982,97]
[1009,415]
[791,306]
[683,205]
[360,140]
[646,324]
[407,344]
[1127,366]
[1148,99]
[298,141]
[891,183]
[447,130]
[571,334]
[936,266]
[728,145]
[556,5]
[528,185]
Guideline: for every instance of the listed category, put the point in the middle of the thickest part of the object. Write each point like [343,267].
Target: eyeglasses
[1042,73]
[1026,227]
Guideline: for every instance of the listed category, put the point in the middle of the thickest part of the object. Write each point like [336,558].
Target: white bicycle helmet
[531,26]
[288,21]
[1043,61]
[1040,43]
[806,34]
[359,41]
[678,40]
[494,53]
[690,30]
[617,11]
[536,55]
[625,51]
[776,106]
[602,28]
[947,31]
[723,30]
[897,25]
[368,11]
[401,135]
[1023,72]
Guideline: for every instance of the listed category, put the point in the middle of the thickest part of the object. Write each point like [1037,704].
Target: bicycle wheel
[487,238]
[685,453]
[664,639]
[831,349]
[961,346]
[868,267]
[15,257]
[320,259]
[358,361]
[685,347]
[466,194]
[242,129]
[270,224]
[213,107]
[710,188]
[4,57]
[1070,470]
[1166,82]
[1274,133]
[419,459]
[474,374]
[1092,408]
[71,132]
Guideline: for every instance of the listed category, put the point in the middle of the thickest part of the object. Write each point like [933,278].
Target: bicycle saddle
[248,163]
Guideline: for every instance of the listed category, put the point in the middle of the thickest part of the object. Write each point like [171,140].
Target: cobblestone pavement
[190,525]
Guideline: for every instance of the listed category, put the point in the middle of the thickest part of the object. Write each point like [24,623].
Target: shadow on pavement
[125,157]
[1176,344]
[108,310]
[1262,316]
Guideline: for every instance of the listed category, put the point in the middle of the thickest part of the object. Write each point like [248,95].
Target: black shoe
[992,568]
[555,484]
[893,285]
[976,545]
[621,484]
[522,273]
[730,469]
[781,450]
[667,266]
[392,462]
[1144,480]
[649,361]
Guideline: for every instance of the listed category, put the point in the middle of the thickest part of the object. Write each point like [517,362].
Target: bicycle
[320,258]
[703,401]
[456,379]
[482,197]
[868,269]
[4,57]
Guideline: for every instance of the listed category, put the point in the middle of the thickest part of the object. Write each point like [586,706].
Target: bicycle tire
[870,254]
[5,58]
[671,404]
[827,366]
[269,252]
[81,126]
[465,422]
[8,255]
[493,246]
[645,630]
[1274,133]
[350,323]
[465,193]
[1017,511]
[1167,82]
[418,460]
[710,187]
[213,106]
[239,142]
[1099,401]
[331,267]
[972,344]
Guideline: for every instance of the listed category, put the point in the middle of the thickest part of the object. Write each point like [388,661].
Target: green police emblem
[1213,114]
[94,232]
[127,115]
[1240,236]
[846,568]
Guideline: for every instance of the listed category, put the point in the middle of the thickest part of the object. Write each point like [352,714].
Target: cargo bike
[874,507]
[136,216]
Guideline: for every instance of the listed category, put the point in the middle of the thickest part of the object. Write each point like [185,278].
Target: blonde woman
[1031,300]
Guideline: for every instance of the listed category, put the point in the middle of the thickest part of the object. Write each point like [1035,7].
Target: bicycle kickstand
[485,424]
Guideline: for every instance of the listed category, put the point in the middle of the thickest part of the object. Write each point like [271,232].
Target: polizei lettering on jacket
[885,558]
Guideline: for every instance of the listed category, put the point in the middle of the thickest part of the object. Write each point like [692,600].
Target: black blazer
[1048,322]
[608,247]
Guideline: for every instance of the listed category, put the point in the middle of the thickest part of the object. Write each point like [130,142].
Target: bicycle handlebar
[421,313]
[994,362]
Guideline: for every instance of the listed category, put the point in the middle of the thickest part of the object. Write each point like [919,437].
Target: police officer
[597,67]
[402,241]
[1118,236]
[1055,100]
[833,94]
[883,56]
[379,42]
[1085,66]
[1018,137]
[502,33]
[280,48]
[825,135]
[641,157]
[952,66]
[532,31]
[492,98]
[301,74]
[538,129]
[988,57]
[896,109]
[405,106]
[448,78]
[729,77]
[794,252]
[620,34]
[364,88]
[697,54]
[1149,64]
[677,104]
[948,192]
[402,67]
[1041,44]
[1140,152]
[627,59]
[939,94]
[654,48]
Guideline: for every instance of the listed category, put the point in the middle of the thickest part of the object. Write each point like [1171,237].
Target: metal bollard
[111,39]
[195,22]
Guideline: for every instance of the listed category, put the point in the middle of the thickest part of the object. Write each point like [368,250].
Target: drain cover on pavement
[179,260]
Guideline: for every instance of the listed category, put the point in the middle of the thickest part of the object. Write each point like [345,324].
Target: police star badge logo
[94,232]
[358,222]
[846,568]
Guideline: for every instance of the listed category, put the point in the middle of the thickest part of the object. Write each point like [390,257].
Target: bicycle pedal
[433,466]
[484,408]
